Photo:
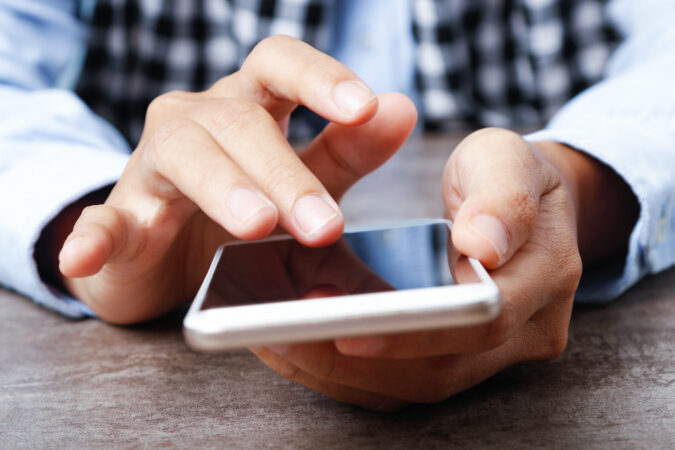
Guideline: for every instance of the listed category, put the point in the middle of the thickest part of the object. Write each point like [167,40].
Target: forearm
[605,207]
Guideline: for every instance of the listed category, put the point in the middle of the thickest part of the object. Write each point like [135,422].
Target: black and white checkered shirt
[509,63]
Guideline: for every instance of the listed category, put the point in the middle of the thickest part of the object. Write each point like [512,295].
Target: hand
[215,165]
[513,208]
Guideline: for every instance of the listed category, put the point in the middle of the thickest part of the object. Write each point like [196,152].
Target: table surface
[89,384]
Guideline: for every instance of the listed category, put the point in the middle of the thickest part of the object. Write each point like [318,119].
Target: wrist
[605,207]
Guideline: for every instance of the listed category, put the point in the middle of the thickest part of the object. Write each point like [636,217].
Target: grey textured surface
[87,384]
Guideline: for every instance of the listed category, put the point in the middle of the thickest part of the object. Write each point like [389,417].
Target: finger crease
[338,161]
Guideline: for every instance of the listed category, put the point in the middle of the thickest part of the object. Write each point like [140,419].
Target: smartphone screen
[367,261]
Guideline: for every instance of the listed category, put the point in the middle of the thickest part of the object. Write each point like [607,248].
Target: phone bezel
[292,321]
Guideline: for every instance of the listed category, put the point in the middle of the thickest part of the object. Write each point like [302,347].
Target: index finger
[282,72]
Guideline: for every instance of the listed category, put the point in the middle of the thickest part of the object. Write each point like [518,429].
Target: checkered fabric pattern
[508,63]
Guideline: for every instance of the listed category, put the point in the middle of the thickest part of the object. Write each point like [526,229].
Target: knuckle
[169,130]
[160,110]
[234,116]
[156,151]
[503,150]
[159,157]
[277,174]
[266,49]
[157,107]
[574,267]
[567,273]
[553,321]
[491,137]
[553,344]
[272,44]
[166,103]
[490,132]
[225,86]
[557,345]
[309,63]
[559,202]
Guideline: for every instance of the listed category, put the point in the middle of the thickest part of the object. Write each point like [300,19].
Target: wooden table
[87,384]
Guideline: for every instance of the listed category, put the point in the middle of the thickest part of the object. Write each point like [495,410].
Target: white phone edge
[227,328]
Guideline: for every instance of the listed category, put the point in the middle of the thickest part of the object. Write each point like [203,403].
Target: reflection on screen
[360,262]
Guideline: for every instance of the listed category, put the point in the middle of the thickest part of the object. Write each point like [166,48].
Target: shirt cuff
[615,142]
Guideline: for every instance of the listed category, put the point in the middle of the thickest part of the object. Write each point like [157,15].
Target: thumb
[341,155]
[102,234]
[492,186]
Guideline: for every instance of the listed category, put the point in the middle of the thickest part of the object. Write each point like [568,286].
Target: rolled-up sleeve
[627,121]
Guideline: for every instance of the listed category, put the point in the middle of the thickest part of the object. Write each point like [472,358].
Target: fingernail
[363,346]
[493,231]
[311,212]
[244,203]
[351,96]
[73,248]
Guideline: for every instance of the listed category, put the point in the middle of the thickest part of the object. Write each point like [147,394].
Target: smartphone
[397,277]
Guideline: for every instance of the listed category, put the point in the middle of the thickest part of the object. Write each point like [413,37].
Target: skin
[529,212]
